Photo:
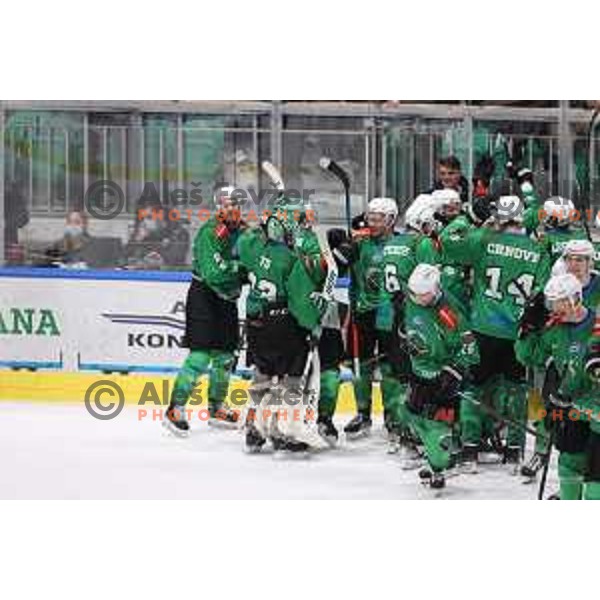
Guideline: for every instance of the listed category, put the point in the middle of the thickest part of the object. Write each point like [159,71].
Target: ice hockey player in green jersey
[562,343]
[559,225]
[212,329]
[374,257]
[278,318]
[442,350]
[508,267]
[578,260]
[321,316]
[454,224]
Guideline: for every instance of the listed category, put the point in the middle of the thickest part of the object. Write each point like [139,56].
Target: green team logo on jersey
[416,342]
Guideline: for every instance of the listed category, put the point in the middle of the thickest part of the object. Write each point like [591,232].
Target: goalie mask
[285,223]
[382,214]
[563,296]
[424,284]
[558,212]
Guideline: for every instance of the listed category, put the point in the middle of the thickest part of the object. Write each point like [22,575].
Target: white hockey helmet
[421,213]
[384,206]
[446,197]
[425,279]
[583,248]
[509,209]
[558,211]
[563,287]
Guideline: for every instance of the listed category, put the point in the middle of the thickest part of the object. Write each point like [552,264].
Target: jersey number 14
[519,288]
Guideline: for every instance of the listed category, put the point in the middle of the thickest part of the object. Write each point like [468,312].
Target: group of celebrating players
[459,314]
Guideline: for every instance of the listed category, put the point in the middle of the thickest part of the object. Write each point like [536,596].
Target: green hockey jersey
[508,267]
[269,265]
[307,277]
[439,336]
[213,259]
[380,269]
[555,240]
[567,344]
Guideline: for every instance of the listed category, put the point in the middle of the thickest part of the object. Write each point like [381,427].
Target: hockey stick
[492,412]
[331,269]
[274,175]
[547,458]
[327,164]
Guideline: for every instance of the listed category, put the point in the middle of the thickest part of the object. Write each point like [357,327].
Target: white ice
[61,452]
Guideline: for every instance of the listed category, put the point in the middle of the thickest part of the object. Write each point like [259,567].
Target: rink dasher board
[84,320]
[62,329]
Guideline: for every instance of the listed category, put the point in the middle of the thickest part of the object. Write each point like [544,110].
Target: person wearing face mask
[70,249]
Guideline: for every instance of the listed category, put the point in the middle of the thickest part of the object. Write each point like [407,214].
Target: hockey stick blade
[327,164]
[273,174]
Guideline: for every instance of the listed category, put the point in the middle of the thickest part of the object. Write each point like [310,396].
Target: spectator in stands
[71,249]
[16,216]
[156,241]
[449,176]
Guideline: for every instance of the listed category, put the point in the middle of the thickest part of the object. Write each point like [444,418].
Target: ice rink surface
[61,452]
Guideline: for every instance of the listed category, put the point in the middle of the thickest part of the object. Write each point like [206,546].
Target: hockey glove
[450,380]
[482,208]
[534,316]
[336,237]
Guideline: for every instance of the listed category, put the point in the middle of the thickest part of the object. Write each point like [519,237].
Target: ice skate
[222,416]
[176,421]
[358,427]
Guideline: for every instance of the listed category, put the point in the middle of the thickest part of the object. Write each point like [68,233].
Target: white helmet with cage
[558,211]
